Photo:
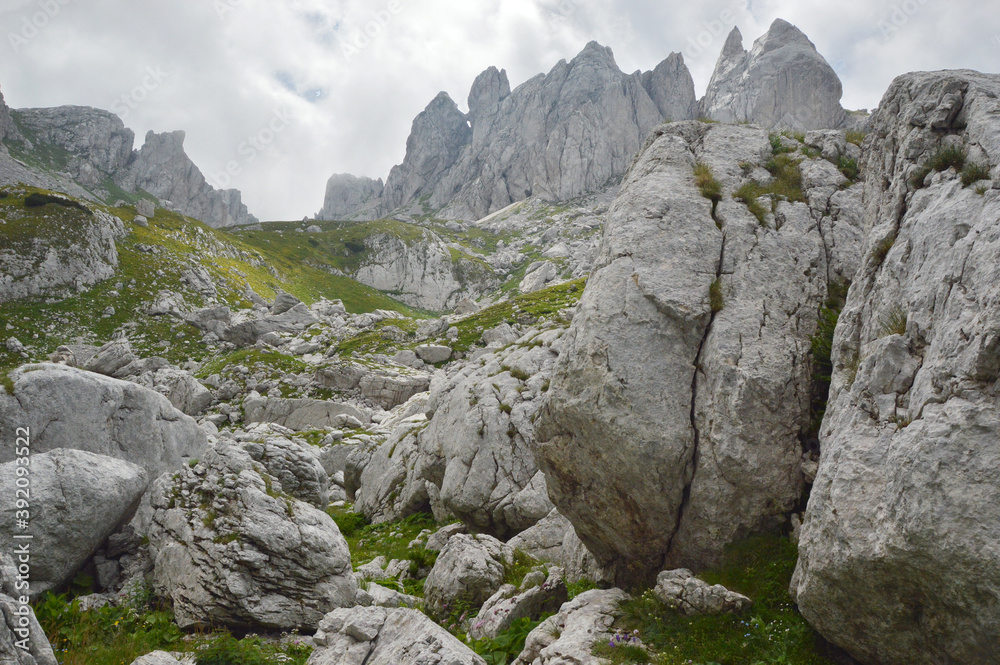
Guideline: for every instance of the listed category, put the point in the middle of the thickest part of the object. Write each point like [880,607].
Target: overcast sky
[330,86]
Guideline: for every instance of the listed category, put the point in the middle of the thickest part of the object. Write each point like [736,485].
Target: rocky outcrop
[509,604]
[569,636]
[97,142]
[898,559]
[77,499]
[52,260]
[70,408]
[348,196]
[473,458]
[468,571]
[379,636]
[295,465]
[553,539]
[232,548]
[675,418]
[300,414]
[557,136]
[163,169]
[681,590]
[8,130]
[782,82]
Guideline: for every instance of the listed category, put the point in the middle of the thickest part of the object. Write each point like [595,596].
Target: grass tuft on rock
[974,172]
[705,180]
[716,300]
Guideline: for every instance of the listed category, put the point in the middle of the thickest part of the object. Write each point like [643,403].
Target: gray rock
[390,391]
[569,636]
[295,465]
[230,548]
[380,636]
[553,539]
[433,353]
[467,572]
[538,277]
[341,375]
[682,591]
[77,500]
[902,521]
[437,540]
[283,302]
[704,408]
[140,220]
[14,345]
[507,606]
[782,82]
[161,658]
[671,88]
[298,414]
[22,641]
[146,208]
[111,358]
[8,128]
[247,332]
[501,335]
[66,407]
[348,196]
[163,169]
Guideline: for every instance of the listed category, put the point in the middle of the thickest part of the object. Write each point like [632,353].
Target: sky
[277,95]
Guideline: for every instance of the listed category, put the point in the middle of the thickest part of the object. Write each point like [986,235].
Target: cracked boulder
[682,591]
[231,548]
[674,421]
[569,636]
[467,572]
[898,558]
[71,408]
[77,499]
[383,636]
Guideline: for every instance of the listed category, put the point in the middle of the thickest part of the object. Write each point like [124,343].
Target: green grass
[881,250]
[856,137]
[941,160]
[974,172]
[849,167]
[506,646]
[821,347]
[274,363]
[227,650]
[777,145]
[893,322]
[749,193]
[716,299]
[705,180]
[772,631]
[787,182]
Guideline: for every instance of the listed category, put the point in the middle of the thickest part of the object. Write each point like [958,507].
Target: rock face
[898,559]
[672,427]
[348,196]
[8,130]
[554,540]
[77,500]
[98,142]
[557,136]
[684,592]
[473,459]
[231,548]
[468,571]
[66,407]
[50,261]
[299,414]
[163,169]
[782,82]
[380,636]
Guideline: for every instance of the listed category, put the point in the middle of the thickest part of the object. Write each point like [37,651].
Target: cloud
[350,75]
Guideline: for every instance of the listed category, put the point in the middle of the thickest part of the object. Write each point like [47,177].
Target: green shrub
[705,180]
[37,200]
[508,645]
[227,650]
[856,137]
[849,167]
[787,183]
[778,146]
[715,298]
[974,172]
[893,322]
[942,160]
[349,523]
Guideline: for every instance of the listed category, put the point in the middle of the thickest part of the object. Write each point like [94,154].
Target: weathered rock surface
[782,82]
[671,429]
[248,331]
[295,465]
[70,408]
[50,259]
[299,414]
[232,549]
[17,624]
[379,636]
[569,636]
[8,130]
[684,592]
[898,558]
[473,458]
[348,196]
[509,604]
[553,539]
[467,572]
[163,169]
[77,499]
[98,143]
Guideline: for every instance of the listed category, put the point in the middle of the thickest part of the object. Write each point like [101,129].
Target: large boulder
[295,465]
[22,640]
[677,409]
[231,548]
[898,553]
[77,499]
[381,636]
[70,408]
[553,539]
[569,636]
[299,414]
[782,82]
[681,590]
[509,604]
[467,572]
